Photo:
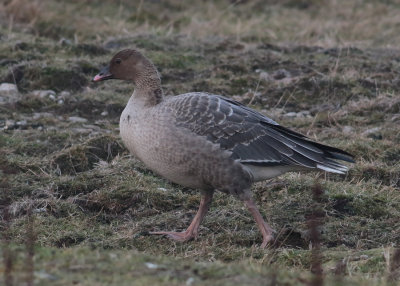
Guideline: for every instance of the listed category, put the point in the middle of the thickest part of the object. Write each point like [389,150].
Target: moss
[382,174]
[69,186]
[293,257]
[50,29]
[374,264]
[32,103]
[238,86]
[392,155]
[370,207]
[87,67]
[365,206]
[88,49]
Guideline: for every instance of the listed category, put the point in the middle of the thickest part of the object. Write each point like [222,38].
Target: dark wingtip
[343,155]
[335,153]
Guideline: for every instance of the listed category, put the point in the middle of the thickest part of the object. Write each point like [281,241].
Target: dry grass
[22,11]
[337,23]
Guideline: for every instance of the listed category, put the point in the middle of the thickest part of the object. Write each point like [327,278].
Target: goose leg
[193,229]
[265,229]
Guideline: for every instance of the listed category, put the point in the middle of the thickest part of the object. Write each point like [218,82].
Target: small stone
[77,119]
[190,281]
[238,98]
[371,130]
[6,88]
[39,210]
[104,113]
[102,163]
[265,76]
[9,93]
[373,133]
[395,117]
[91,126]
[9,123]
[42,275]
[38,115]
[81,130]
[291,114]
[280,74]
[303,113]
[21,123]
[65,94]
[347,129]
[45,93]
[64,42]
[151,265]
[60,101]
[72,99]
[364,257]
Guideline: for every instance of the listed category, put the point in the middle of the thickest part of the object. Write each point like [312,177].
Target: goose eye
[117,61]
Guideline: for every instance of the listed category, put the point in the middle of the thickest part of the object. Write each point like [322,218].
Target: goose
[209,142]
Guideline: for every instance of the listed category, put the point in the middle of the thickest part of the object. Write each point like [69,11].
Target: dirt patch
[69,239]
[91,108]
[83,157]
[30,77]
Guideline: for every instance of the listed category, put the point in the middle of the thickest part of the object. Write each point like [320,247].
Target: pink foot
[268,236]
[267,240]
[178,236]
[193,229]
[266,230]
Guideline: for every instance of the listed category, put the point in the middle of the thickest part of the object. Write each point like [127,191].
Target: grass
[77,208]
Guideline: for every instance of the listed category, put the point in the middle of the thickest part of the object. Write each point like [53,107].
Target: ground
[77,208]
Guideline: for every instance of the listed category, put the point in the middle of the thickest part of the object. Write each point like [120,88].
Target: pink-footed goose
[209,142]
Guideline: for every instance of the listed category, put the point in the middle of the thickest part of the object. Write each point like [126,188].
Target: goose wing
[252,137]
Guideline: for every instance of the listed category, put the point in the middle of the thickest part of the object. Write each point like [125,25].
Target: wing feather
[252,137]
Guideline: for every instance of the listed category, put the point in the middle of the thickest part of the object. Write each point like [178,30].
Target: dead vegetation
[75,206]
